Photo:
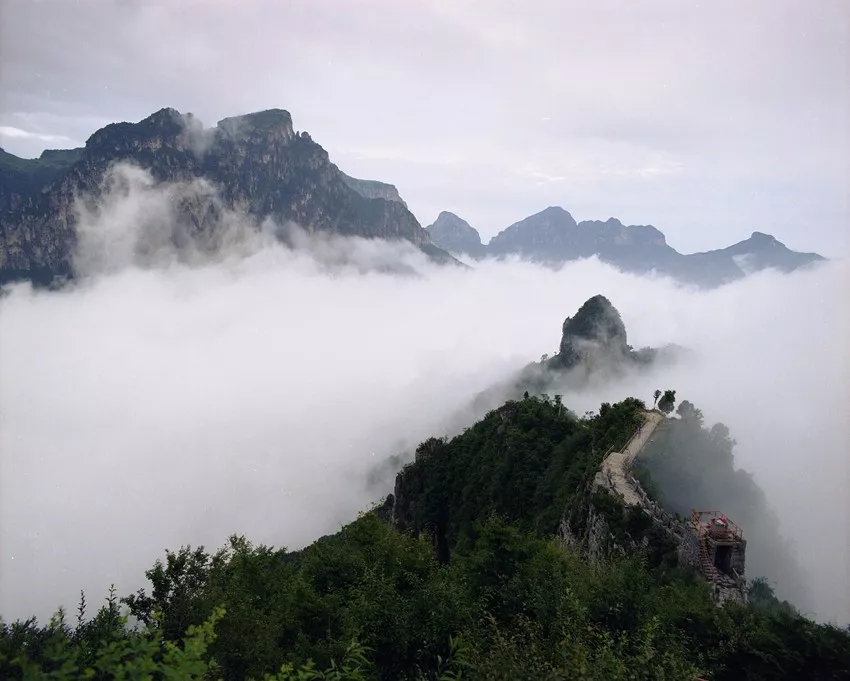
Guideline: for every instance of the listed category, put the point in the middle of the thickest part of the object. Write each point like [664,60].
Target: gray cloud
[11,132]
[707,120]
[172,399]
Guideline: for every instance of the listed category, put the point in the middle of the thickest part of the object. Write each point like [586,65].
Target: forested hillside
[691,465]
[456,576]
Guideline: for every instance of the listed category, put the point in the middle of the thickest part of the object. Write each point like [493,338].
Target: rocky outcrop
[372,189]
[552,237]
[595,335]
[257,164]
[595,341]
[593,350]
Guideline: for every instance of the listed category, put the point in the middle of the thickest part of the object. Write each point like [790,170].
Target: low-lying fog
[143,409]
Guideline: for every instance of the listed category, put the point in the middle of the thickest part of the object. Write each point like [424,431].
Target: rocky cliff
[256,163]
[552,237]
[23,177]
[372,189]
[595,335]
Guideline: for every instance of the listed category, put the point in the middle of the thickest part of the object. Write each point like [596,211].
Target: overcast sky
[709,120]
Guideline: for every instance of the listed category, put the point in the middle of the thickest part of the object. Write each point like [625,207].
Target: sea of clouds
[176,395]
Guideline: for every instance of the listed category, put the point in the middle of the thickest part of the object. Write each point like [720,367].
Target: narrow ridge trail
[614,471]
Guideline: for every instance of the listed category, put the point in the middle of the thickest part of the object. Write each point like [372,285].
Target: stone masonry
[720,558]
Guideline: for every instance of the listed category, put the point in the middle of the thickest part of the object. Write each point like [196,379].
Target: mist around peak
[181,391]
[134,222]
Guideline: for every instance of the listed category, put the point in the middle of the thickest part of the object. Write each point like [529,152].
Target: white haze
[177,403]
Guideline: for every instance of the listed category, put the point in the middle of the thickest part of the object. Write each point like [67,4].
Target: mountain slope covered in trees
[691,465]
[457,575]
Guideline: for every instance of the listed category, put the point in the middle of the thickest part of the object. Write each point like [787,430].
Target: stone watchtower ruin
[722,553]
[709,542]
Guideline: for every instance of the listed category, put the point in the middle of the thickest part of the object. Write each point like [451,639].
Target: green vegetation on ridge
[469,584]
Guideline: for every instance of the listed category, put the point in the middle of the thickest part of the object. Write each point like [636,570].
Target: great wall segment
[708,541]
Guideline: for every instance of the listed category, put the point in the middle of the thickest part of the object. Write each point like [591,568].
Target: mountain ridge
[553,237]
[449,228]
[257,163]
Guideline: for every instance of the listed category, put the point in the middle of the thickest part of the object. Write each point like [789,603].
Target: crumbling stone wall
[615,477]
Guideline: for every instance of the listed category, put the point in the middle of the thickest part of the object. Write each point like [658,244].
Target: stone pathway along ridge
[614,471]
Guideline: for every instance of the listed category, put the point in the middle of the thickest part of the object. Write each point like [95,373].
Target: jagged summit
[272,123]
[593,350]
[256,163]
[596,332]
[169,128]
[552,237]
[163,125]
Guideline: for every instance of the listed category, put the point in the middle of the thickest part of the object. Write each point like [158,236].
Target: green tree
[655,396]
[689,412]
[466,582]
[667,401]
[69,655]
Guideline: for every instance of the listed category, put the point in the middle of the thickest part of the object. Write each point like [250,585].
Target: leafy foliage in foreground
[376,602]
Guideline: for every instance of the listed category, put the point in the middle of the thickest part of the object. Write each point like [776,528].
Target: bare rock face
[257,163]
[595,335]
[373,189]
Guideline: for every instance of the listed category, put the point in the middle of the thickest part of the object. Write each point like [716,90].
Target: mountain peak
[596,320]
[596,332]
[165,114]
[276,123]
[541,235]
[557,215]
[161,128]
[456,235]
[762,238]
[255,163]
[554,210]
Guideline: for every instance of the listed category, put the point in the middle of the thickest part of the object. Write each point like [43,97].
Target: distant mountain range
[257,163]
[552,237]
